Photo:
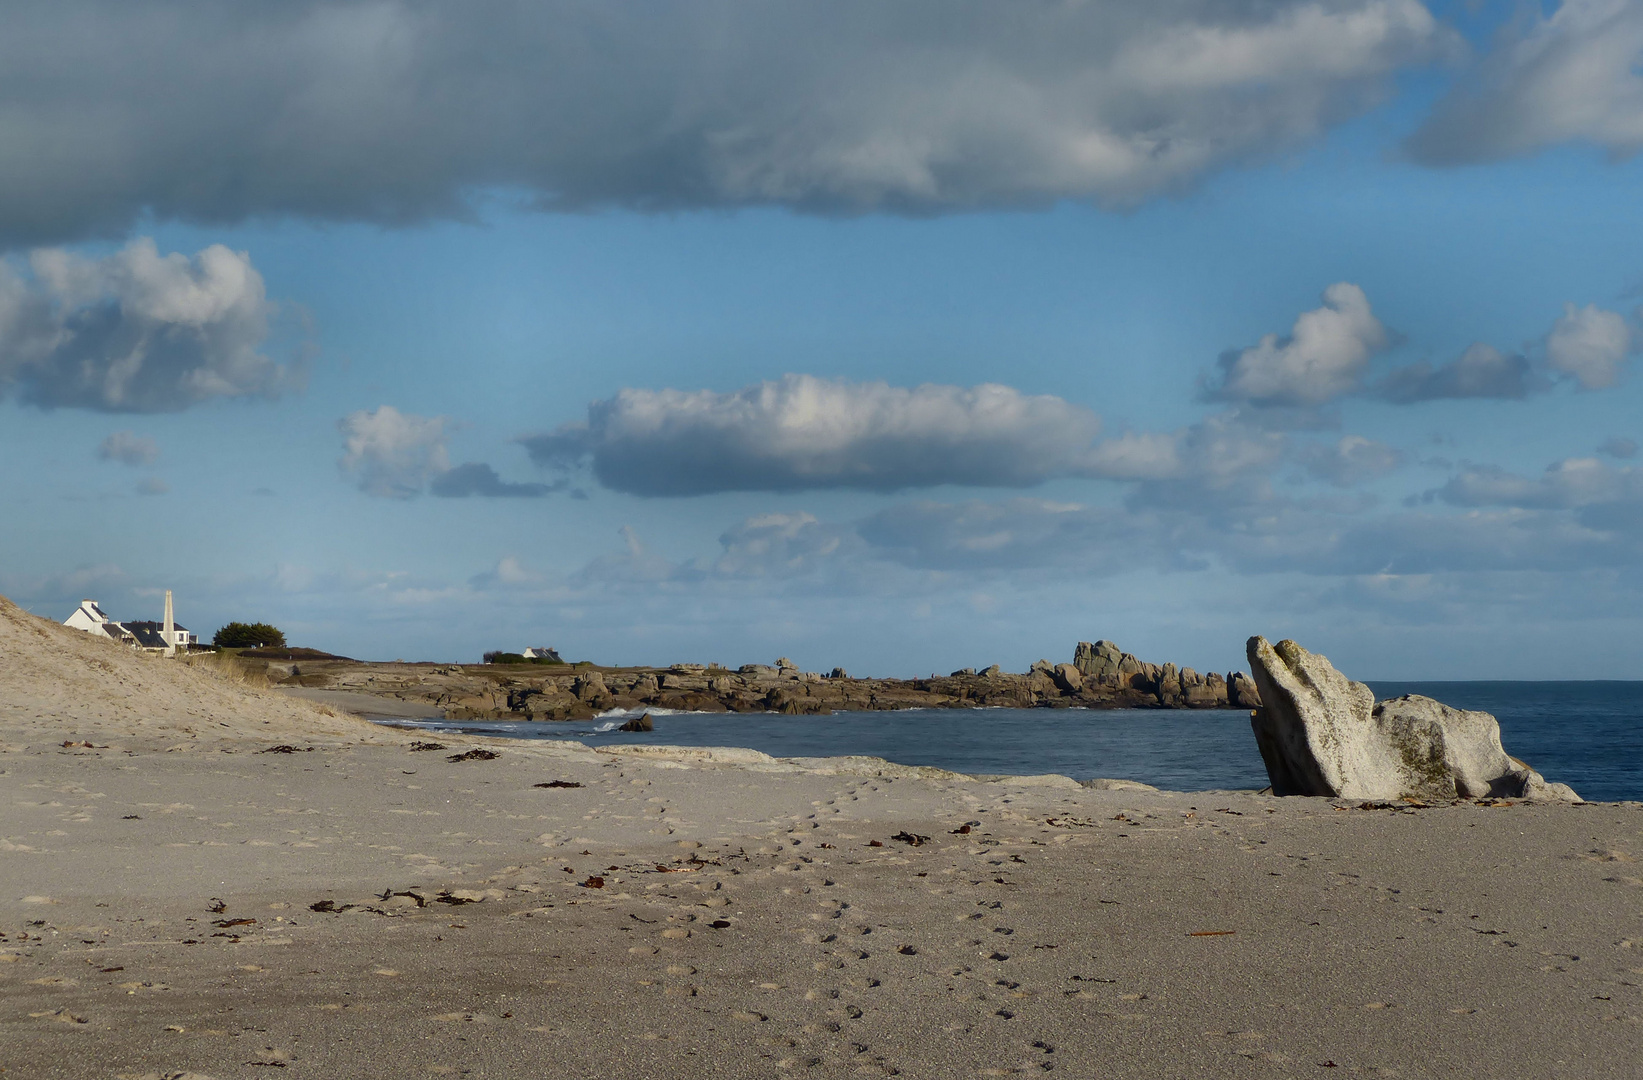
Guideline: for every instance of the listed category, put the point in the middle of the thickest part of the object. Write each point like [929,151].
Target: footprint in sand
[62,1016]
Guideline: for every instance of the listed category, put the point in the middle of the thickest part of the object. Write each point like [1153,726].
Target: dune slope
[58,684]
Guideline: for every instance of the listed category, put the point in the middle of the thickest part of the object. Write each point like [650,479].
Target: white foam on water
[629,714]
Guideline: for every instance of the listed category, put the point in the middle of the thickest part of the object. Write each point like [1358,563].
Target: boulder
[1320,733]
[1470,749]
[1068,678]
[641,722]
[590,687]
[1241,691]
[1205,695]
[1098,660]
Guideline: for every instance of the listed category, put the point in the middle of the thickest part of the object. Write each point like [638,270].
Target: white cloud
[1572,482]
[635,564]
[1214,452]
[1482,371]
[803,432]
[778,544]
[1590,344]
[398,455]
[136,331]
[393,454]
[509,573]
[129,448]
[1017,533]
[1321,359]
[1571,76]
[396,110]
[1351,461]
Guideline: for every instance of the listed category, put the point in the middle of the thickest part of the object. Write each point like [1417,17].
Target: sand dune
[58,684]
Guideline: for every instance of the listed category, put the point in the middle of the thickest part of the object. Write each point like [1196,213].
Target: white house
[161,637]
[542,652]
[90,618]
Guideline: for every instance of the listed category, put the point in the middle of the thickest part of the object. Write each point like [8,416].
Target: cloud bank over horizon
[396,111]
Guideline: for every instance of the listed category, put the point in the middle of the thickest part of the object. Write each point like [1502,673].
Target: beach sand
[175,900]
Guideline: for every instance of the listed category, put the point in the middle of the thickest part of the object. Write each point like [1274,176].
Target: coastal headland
[1099,676]
[208,880]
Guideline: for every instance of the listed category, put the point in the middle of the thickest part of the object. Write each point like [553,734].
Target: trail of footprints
[852,971]
[832,978]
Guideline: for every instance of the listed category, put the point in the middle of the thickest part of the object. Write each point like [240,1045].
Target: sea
[1588,735]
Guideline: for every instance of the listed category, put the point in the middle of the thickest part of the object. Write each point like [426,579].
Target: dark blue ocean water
[1585,734]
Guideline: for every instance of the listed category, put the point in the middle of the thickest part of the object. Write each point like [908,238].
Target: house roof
[147,635]
[149,624]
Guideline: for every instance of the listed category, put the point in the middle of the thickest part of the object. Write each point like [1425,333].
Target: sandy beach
[180,899]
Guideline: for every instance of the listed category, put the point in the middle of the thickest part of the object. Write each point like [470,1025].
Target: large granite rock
[1320,733]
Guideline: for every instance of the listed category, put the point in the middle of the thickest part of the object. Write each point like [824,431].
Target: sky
[897,337]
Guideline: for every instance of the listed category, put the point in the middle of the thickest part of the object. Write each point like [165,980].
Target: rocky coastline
[1100,676]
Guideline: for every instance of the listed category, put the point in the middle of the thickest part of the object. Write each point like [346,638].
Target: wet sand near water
[375,910]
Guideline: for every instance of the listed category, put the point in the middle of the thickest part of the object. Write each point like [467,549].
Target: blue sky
[900,341]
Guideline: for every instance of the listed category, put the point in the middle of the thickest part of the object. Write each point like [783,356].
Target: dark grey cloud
[135,331]
[1570,76]
[1482,371]
[477,478]
[394,111]
[1617,447]
[803,433]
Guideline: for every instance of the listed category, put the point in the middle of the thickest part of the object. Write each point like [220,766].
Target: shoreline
[1101,677]
[209,880]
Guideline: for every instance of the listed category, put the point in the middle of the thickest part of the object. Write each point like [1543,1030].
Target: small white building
[91,618]
[161,637]
[542,652]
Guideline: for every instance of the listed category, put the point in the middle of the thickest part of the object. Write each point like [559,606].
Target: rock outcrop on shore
[1100,676]
[1320,733]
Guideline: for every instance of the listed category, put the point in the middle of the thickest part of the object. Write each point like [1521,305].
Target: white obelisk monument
[170,627]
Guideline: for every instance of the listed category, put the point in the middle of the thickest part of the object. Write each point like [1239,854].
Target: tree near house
[238,635]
